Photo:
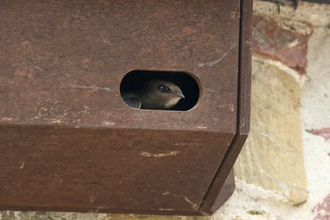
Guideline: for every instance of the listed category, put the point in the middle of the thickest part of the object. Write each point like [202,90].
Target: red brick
[323,132]
[279,42]
[322,209]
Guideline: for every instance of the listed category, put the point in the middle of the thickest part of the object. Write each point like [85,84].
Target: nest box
[68,142]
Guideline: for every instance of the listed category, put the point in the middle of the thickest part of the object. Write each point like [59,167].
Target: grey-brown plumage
[156,94]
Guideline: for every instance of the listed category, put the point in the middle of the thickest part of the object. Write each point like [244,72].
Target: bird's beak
[181,95]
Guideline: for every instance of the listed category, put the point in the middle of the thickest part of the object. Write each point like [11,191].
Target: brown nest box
[68,142]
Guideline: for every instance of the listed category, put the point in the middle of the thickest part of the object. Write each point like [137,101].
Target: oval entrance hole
[159,90]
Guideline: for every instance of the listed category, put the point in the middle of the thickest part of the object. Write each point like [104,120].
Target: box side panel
[77,169]
[211,201]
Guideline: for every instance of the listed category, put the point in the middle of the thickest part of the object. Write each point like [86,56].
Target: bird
[155,94]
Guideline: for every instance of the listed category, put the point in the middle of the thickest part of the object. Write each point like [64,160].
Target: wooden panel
[103,169]
[212,201]
[62,62]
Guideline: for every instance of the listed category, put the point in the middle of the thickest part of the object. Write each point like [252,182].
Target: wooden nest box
[68,142]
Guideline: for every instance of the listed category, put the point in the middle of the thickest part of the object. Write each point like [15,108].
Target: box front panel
[62,62]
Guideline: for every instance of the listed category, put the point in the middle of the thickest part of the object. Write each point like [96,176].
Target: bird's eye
[163,88]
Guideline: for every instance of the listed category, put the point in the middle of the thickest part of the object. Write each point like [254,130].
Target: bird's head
[160,94]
